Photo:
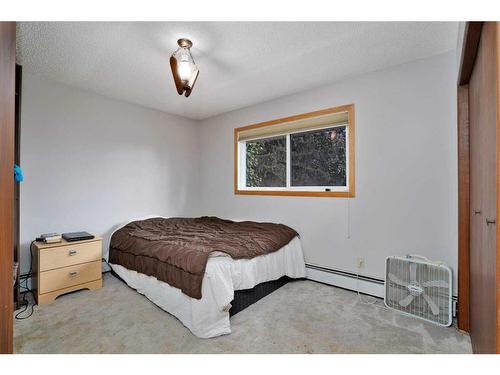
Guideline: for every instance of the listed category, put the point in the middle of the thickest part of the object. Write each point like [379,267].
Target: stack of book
[50,237]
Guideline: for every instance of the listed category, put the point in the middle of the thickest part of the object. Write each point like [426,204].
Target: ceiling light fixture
[183,67]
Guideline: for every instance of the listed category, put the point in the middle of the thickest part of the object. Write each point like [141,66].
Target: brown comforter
[176,250]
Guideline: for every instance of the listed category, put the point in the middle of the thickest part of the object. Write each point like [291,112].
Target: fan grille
[401,269]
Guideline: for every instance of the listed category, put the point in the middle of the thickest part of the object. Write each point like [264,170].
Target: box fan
[419,287]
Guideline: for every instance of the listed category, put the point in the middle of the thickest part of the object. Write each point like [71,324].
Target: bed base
[246,297]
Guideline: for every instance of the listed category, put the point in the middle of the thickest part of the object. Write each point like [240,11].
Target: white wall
[91,162]
[406,169]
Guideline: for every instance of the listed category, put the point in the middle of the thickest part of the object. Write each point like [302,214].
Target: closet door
[478,291]
[483,104]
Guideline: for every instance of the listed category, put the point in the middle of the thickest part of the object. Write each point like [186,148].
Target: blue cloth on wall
[18,173]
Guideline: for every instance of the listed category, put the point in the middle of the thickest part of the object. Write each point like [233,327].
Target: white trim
[347,151]
[242,164]
[297,188]
[346,281]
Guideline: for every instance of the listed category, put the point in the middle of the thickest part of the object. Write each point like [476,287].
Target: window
[310,154]
[266,162]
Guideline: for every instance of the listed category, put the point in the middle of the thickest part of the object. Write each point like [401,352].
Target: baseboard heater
[348,280]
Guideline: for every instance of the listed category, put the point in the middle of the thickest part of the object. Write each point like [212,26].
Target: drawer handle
[73,274]
[71,253]
[490,221]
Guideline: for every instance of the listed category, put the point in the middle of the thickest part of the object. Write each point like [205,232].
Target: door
[7,105]
[483,104]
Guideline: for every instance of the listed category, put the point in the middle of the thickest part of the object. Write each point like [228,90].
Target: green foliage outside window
[266,162]
[318,158]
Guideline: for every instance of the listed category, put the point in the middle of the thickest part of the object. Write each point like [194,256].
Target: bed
[202,270]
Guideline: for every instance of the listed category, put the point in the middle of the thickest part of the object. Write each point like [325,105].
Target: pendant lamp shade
[183,67]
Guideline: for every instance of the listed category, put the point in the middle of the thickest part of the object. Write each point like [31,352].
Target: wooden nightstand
[64,267]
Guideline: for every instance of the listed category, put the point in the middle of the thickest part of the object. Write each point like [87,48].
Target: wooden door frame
[472,36]
[7,108]
[463,208]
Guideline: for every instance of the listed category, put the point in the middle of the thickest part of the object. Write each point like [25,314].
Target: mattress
[209,316]
[176,249]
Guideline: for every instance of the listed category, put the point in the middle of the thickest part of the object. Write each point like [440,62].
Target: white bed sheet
[209,316]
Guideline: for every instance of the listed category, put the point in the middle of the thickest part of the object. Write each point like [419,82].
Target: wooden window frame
[350,193]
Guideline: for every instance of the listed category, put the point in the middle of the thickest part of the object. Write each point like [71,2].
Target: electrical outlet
[361,263]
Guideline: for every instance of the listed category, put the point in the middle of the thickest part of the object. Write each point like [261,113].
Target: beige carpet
[301,317]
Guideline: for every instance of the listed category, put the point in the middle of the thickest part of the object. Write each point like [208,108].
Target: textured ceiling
[241,63]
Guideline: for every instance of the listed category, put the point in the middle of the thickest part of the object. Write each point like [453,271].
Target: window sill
[339,194]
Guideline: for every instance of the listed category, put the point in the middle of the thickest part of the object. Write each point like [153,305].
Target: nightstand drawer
[69,255]
[69,276]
